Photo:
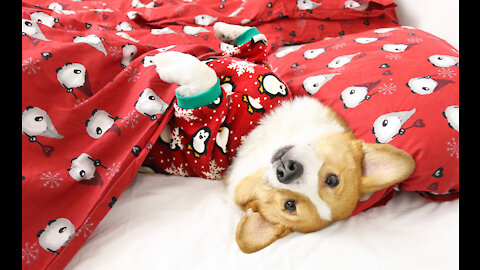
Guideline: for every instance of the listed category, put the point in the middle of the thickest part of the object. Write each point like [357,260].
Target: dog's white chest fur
[294,122]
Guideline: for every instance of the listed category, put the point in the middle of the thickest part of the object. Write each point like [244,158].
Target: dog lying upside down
[293,164]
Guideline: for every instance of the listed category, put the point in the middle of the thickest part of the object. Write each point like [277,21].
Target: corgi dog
[299,168]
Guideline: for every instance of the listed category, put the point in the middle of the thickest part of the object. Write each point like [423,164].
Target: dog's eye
[290,206]
[332,180]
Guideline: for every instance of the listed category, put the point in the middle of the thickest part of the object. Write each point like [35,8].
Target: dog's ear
[383,166]
[254,232]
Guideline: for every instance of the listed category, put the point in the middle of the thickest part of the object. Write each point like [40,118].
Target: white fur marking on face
[307,183]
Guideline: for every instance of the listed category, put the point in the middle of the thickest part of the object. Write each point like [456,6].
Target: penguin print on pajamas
[56,234]
[222,138]
[83,170]
[272,86]
[100,123]
[452,114]
[199,142]
[150,104]
[92,40]
[228,85]
[313,83]
[426,85]
[389,125]
[36,122]
[31,30]
[439,60]
[253,104]
[352,96]
[74,76]
[128,53]
[311,54]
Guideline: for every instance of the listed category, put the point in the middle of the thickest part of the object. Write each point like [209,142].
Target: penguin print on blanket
[31,30]
[92,40]
[100,123]
[387,126]
[439,60]
[307,5]
[56,234]
[313,83]
[150,104]
[36,122]
[128,53]
[199,142]
[426,85]
[452,114]
[352,96]
[83,170]
[74,76]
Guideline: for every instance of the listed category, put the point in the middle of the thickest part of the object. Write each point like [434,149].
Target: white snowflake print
[453,148]
[115,52]
[241,67]
[113,170]
[214,172]
[301,22]
[339,45]
[31,66]
[184,113]
[79,101]
[180,170]
[299,70]
[86,229]
[132,74]
[176,139]
[414,40]
[447,72]
[387,88]
[231,52]
[131,119]
[393,56]
[29,252]
[52,180]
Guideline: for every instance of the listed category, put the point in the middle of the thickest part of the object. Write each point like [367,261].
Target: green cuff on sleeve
[247,35]
[200,100]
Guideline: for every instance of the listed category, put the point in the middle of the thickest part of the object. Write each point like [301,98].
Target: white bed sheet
[171,222]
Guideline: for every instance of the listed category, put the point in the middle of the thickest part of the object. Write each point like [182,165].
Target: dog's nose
[288,171]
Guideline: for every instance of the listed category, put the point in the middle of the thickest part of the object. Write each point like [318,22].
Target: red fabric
[109,77]
[203,141]
[426,133]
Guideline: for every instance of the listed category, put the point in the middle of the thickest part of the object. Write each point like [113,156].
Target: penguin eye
[440,58]
[38,20]
[315,85]
[385,123]
[151,97]
[77,71]
[99,130]
[27,23]
[62,229]
[39,118]
[352,91]
[131,54]
[425,88]
[82,173]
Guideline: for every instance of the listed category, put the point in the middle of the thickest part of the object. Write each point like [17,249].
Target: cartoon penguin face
[439,60]
[128,52]
[36,122]
[452,113]
[56,235]
[82,168]
[365,40]
[395,48]
[387,126]
[124,26]
[199,142]
[194,30]
[422,86]
[150,104]
[272,86]
[71,75]
[204,19]
[149,60]
[162,31]
[32,29]
[93,41]
[99,123]
[222,138]
[310,54]
[314,83]
[352,96]
[43,18]
[307,5]
[356,5]
[341,60]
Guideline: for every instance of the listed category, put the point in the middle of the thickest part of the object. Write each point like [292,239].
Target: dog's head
[306,187]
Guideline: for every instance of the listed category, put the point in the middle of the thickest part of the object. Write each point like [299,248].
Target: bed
[82,73]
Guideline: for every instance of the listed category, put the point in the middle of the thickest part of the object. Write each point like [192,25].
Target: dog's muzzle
[287,170]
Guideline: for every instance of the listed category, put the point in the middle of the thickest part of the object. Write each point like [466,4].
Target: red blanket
[82,75]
